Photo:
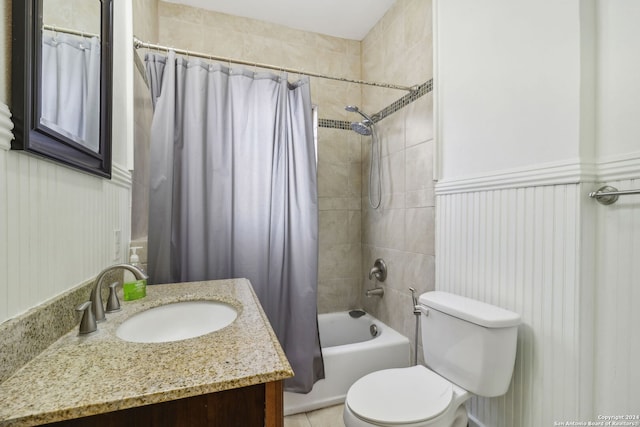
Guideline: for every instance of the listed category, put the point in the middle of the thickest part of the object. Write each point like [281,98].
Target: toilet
[469,348]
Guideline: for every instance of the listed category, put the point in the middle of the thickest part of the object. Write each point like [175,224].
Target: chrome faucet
[379,272]
[96,294]
[375,292]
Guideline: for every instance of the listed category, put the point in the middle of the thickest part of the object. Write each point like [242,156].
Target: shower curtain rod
[137,43]
[68,31]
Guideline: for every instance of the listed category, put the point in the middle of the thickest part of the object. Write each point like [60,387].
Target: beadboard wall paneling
[618,304]
[56,229]
[519,249]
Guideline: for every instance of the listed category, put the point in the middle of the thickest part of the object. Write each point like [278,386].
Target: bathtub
[350,351]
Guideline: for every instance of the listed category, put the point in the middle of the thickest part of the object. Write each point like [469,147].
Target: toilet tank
[469,342]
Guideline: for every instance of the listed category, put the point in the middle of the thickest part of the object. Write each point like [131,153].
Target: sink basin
[177,321]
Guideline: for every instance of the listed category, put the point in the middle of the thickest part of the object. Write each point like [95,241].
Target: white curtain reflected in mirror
[71,87]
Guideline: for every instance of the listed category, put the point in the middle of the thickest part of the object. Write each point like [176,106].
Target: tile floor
[326,417]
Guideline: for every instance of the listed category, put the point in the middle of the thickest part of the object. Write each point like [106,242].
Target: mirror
[61,81]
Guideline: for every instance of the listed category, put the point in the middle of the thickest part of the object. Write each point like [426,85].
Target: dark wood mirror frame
[34,137]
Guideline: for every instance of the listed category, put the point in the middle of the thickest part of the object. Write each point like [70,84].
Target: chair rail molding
[555,173]
[621,167]
[121,176]
[6,127]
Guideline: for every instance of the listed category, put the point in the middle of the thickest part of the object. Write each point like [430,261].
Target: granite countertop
[78,376]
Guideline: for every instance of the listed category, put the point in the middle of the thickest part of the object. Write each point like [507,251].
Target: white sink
[177,321]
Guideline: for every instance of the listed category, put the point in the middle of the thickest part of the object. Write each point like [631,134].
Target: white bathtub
[350,352]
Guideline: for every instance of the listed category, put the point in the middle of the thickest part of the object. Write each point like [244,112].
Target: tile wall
[79,15]
[399,49]
[339,163]
[351,235]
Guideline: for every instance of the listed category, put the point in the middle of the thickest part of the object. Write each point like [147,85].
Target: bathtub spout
[377,292]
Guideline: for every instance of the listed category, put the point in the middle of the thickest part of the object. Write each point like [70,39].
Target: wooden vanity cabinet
[259,405]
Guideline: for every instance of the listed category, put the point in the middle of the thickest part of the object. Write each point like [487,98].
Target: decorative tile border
[334,124]
[412,96]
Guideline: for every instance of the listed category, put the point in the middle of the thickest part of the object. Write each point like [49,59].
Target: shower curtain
[71,87]
[234,192]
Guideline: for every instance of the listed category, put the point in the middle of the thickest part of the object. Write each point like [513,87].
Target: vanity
[229,377]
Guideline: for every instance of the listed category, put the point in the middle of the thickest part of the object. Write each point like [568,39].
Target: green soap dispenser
[138,288]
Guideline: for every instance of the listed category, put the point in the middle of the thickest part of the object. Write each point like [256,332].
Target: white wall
[618,250]
[57,224]
[511,73]
[535,102]
[123,119]
[618,91]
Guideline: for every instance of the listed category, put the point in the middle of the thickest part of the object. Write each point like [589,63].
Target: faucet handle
[379,270]
[88,322]
[113,303]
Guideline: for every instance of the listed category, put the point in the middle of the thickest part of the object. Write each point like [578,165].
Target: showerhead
[366,128]
[363,128]
[354,109]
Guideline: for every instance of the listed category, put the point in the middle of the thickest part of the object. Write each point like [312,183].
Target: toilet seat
[400,396]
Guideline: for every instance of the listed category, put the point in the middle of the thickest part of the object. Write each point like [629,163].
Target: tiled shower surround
[351,235]
[399,49]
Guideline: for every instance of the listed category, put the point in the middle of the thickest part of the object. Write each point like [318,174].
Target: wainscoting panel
[57,229]
[520,249]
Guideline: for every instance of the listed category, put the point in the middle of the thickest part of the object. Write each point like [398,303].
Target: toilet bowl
[407,397]
[469,348]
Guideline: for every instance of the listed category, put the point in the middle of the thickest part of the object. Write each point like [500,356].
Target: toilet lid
[400,396]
